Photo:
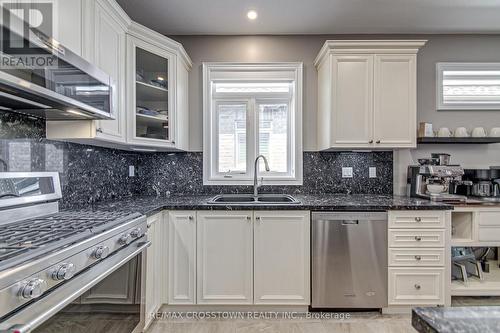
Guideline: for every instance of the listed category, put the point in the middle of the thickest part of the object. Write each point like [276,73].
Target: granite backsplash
[91,174]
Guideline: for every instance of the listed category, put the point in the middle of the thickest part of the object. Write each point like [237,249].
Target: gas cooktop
[28,239]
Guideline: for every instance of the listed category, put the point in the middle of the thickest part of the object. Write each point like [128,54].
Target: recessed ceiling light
[252,15]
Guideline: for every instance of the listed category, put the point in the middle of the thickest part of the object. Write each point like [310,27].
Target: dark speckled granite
[339,202]
[182,173]
[484,319]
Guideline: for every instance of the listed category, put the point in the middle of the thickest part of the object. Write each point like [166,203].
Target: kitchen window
[468,86]
[251,110]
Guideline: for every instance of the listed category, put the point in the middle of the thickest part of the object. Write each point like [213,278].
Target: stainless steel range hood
[69,89]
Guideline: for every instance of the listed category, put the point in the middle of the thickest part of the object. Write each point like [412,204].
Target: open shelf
[490,286]
[462,230]
[151,120]
[487,140]
[148,92]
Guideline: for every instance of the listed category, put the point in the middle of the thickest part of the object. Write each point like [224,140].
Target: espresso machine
[482,184]
[435,181]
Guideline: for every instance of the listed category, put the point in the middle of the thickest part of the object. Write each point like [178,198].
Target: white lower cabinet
[239,258]
[224,253]
[417,258]
[416,286]
[181,257]
[155,263]
[281,258]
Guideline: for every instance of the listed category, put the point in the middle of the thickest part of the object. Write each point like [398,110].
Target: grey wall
[440,48]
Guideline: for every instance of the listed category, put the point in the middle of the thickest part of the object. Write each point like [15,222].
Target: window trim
[253,71]
[442,66]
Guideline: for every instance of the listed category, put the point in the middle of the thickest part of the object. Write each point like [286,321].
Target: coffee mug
[444,132]
[461,132]
[478,132]
[495,132]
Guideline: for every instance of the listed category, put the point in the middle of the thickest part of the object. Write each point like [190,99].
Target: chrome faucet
[255,170]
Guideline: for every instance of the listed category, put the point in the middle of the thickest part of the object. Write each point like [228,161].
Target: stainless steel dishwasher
[349,260]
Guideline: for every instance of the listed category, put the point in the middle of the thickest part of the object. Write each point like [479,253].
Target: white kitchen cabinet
[281,258]
[181,257]
[155,262]
[157,81]
[367,94]
[395,101]
[418,258]
[225,254]
[104,41]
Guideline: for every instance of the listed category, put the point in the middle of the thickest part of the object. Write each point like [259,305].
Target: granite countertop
[481,319]
[327,202]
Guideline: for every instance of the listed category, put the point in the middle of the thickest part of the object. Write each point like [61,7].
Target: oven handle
[33,316]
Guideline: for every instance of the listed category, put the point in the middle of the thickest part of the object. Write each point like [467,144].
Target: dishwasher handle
[350,222]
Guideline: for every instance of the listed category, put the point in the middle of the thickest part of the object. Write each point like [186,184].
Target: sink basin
[249,199]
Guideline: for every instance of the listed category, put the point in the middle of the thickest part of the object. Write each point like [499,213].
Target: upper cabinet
[150,74]
[157,70]
[364,89]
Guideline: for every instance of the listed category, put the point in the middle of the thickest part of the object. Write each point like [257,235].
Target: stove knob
[100,252]
[125,239]
[33,289]
[136,233]
[64,272]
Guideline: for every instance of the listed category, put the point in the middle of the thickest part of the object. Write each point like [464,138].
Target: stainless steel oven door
[106,298]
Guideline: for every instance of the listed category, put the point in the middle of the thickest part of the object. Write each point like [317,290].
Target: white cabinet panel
[416,257]
[395,104]
[155,262]
[181,257]
[110,57]
[281,258]
[225,256]
[420,219]
[352,100]
[68,28]
[416,238]
[416,286]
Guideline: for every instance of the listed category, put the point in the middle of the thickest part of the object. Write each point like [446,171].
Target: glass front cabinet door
[157,96]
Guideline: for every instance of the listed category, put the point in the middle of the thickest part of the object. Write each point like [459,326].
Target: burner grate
[37,235]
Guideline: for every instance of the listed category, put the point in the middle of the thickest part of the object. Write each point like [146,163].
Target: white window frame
[247,72]
[444,66]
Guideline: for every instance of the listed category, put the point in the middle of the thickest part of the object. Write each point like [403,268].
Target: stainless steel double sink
[249,199]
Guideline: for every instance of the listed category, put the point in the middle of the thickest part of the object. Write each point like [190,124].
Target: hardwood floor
[358,323]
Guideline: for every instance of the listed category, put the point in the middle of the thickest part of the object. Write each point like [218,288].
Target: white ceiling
[228,17]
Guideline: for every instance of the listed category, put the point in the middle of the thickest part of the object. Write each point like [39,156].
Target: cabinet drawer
[416,257]
[489,218]
[416,219]
[416,238]
[416,286]
[489,234]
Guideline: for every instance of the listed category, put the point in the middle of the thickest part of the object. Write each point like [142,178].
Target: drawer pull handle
[418,258]
[190,218]
[249,218]
[418,238]
[418,287]
[418,219]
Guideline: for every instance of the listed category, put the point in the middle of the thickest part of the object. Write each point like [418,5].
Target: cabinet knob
[249,218]
[418,238]
[190,218]
[418,219]
[418,258]
[257,218]
[33,289]
[99,130]
[417,286]
[378,141]
[173,142]
[371,141]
